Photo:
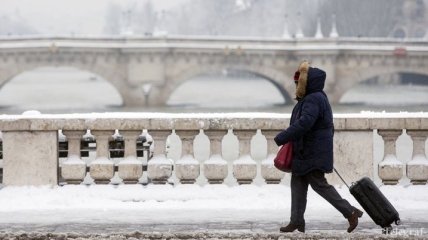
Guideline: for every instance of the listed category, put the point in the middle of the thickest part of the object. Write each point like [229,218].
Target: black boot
[353,220]
[292,227]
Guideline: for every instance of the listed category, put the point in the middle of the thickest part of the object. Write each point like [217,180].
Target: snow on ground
[188,204]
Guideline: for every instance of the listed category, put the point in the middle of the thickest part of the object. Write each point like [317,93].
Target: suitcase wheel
[387,230]
[397,222]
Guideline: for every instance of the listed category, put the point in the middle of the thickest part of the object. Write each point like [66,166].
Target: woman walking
[311,132]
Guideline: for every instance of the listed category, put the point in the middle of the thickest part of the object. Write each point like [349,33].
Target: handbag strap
[341,178]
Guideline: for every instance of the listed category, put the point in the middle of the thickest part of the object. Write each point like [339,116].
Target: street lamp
[127,16]
[147,87]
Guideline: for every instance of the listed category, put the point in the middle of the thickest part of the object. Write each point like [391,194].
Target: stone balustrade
[30,148]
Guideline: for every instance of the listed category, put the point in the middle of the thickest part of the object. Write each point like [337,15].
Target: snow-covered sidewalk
[264,208]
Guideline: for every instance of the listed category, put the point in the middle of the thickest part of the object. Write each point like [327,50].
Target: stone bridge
[146,71]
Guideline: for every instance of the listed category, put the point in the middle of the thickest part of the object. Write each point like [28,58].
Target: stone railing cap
[213,121]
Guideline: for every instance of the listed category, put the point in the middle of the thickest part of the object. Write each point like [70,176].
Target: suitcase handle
[341,178]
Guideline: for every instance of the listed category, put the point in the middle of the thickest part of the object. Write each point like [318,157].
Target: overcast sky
[67,16]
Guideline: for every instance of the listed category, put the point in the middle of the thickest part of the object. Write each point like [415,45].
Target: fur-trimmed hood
[310,80]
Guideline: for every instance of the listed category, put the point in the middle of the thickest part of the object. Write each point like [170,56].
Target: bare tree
[113,19]
[207,17]
[15,26]
[362,18]
[144,21]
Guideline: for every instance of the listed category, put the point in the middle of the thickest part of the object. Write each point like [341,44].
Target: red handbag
[284,157]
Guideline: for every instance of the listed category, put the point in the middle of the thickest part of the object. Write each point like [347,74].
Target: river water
[66,90]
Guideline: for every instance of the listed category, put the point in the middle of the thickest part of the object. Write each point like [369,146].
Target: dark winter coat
[311,128]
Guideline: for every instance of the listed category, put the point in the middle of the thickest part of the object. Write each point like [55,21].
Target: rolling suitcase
[374,203]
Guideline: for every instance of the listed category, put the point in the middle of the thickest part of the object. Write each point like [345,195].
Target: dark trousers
[299,190]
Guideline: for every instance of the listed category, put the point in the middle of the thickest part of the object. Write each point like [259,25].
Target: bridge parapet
[30,148]
[209,45]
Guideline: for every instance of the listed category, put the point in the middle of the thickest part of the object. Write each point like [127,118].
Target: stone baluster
[187,168]
[148,146]
[215,168]
[268,170]
[130,168]
[245,168]
[102,168]
[390,169]
[73,169]
[159,168]
[417,168]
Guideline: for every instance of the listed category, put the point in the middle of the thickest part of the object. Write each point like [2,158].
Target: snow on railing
[210,42]
[196,148]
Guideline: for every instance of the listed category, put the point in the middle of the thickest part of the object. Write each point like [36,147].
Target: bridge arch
[349,79]
[274,77]
[365,75]
[113,72]
[94,79]
[386,77]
